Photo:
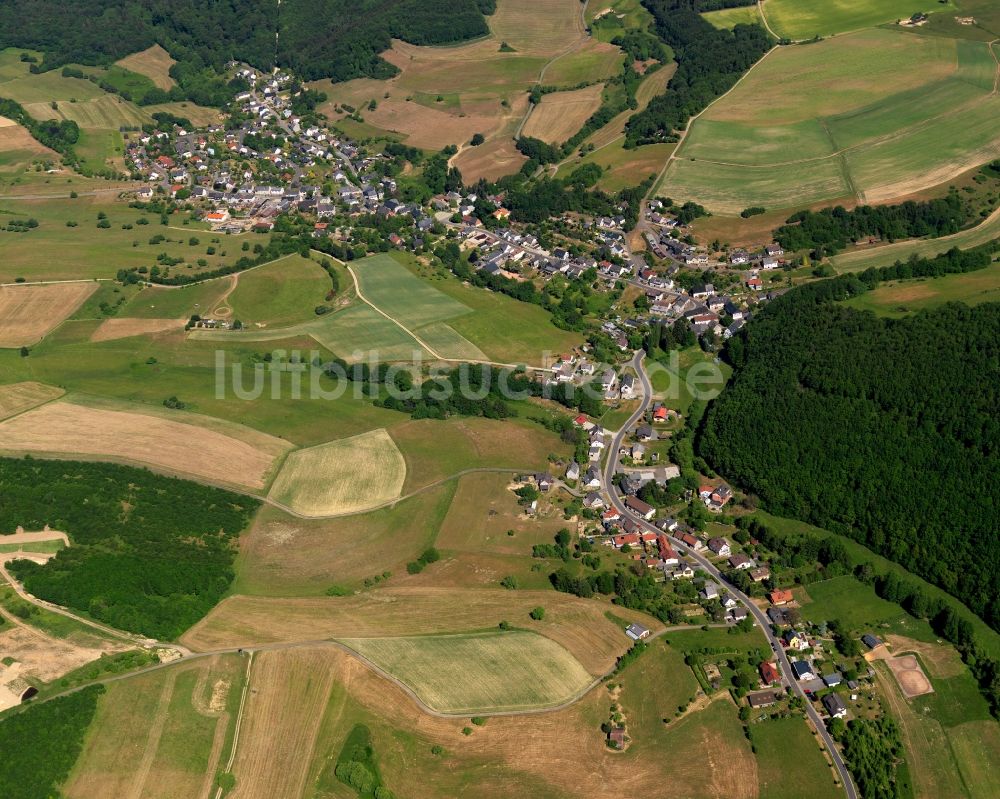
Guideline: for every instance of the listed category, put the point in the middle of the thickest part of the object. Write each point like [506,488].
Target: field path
[159,720]
[239,720]
[420,341]
[763,17]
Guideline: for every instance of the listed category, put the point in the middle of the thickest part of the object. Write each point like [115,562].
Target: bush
[537,613]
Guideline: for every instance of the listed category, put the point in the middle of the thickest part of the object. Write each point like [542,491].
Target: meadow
[804,19]
[730,17]
[159,735]
[154,63]
[479,673]
[280,293]
[900,298]
[789,761]
[345,476]
[870,116]
[68,245]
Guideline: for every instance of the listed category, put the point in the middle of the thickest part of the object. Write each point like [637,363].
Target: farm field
[183,447]
[349,475]
[154,63]
[479,673]
[18,147]
[561,114]
[29,313]
[578,625]
[280,293]
[114,329]
[904,297]
[804,19]
[790,763]
[159,735]
[19,397]
[107,111]
[68,245]
[282,555]
[444,95]
[870,116]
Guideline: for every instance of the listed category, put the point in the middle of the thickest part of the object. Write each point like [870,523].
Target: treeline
[54,134]
[882,430]
[150,554]
[317,38]
[709,62]
[872,748]
[42,742]
[828,231]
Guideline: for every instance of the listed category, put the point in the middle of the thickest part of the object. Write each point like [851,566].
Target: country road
[786,668]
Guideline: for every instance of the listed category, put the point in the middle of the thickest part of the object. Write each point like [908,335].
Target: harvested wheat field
[561,114]
[491,161]
[15,139]
[281,721]
[68,429]
[111,329]
[344,476]
[28,313]
[910,676]
[154,63]
[480,672]
[19,397]
[577,624]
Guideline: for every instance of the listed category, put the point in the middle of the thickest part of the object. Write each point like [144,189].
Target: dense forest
[317,38]
[41,744]
[828,231]
[882,430]
[709,62]
[149,554]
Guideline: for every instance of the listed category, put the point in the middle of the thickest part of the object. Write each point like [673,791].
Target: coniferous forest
[149,554]
[885,430]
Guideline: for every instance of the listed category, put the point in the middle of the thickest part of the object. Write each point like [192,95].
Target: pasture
[790,763]
[68,245]
[730,17]
[871,116]
[479,673]
[153,62]
[854,604]
[578,625]
[29,313]
[900,298]
[159,735]
[240,456]
[282,555]
[561,114]
[280,293]
[341,477]
[804,19]
[19,397]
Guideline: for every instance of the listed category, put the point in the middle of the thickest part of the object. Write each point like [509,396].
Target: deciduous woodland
[149,554]
[202,37]
[883,430]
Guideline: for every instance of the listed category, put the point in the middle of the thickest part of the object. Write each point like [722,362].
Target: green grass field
[869,116]
[804,19]
[730,17]
[280,293]
[57,251]
[789,761]
[904,297]
[853,603]
[479,673]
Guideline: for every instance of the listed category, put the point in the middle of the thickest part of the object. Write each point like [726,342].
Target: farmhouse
[640,508]
[870,640]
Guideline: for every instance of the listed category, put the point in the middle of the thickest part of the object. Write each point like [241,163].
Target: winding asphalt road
[786,667]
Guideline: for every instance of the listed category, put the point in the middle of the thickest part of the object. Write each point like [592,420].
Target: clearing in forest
[153,62]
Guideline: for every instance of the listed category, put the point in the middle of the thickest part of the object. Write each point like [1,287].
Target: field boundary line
[153,736]
[425,345]
[239,721]
[58,282]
